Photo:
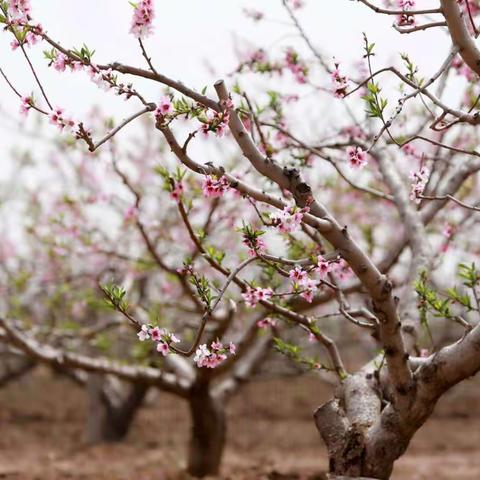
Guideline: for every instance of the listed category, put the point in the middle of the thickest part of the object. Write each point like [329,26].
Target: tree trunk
[208,431]
[111,413]
[362,440]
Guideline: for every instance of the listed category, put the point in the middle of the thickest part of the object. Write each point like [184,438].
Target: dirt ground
[271,436]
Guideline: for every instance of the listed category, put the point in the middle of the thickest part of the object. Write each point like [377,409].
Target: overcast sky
[195,42]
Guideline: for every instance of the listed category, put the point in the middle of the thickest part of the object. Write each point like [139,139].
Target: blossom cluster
[411,152]
[215,188]
[19,18]
[404,19]
[57,117]
[341,269]
[19,9]
[340,82]
[448,230]
[307,284]
[105,79]
[255,245]
[142,19]
[323,267]
[254,295]
[160,336]
[26,105]
[212,356]
[419,182]
[357,158]
[177,191]
[296,66]
[289,219]
[217,122]
[164,107]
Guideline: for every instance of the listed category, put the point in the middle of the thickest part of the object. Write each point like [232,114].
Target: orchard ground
[42,419]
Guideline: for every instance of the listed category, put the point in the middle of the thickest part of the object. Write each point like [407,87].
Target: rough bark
[366,431]
[208,431]
[110,412]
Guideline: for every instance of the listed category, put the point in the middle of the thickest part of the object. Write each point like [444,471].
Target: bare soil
[271,435]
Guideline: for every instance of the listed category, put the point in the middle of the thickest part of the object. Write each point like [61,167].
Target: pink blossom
[298,275]
[289,219]
[213,356]
[266,322]
[31,38]
[310,287]
[357,158]
[163,348]
[19,9]
[323,267]
[164,107]
[409,150]
[14,44]
[296,66]
[156,334]
[405,20]
[448,230]
[342,269]
[254,295]
[221,129]
[57,118]
[26,105]
[177,191]
[77,66]
[296,4]
[255,245]
[215,188]
[217,122]
[101,79]
[339,83]
[143,16]
[60,62]
[282,139]
[92,70]
[144,333]
[160,336]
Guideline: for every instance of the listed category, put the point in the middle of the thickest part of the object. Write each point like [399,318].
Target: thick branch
[54,356]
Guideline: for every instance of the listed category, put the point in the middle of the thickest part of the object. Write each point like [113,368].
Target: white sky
[191,34]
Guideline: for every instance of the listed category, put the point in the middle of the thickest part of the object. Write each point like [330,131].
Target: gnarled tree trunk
[364,429]
[208,431]
[111,411]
